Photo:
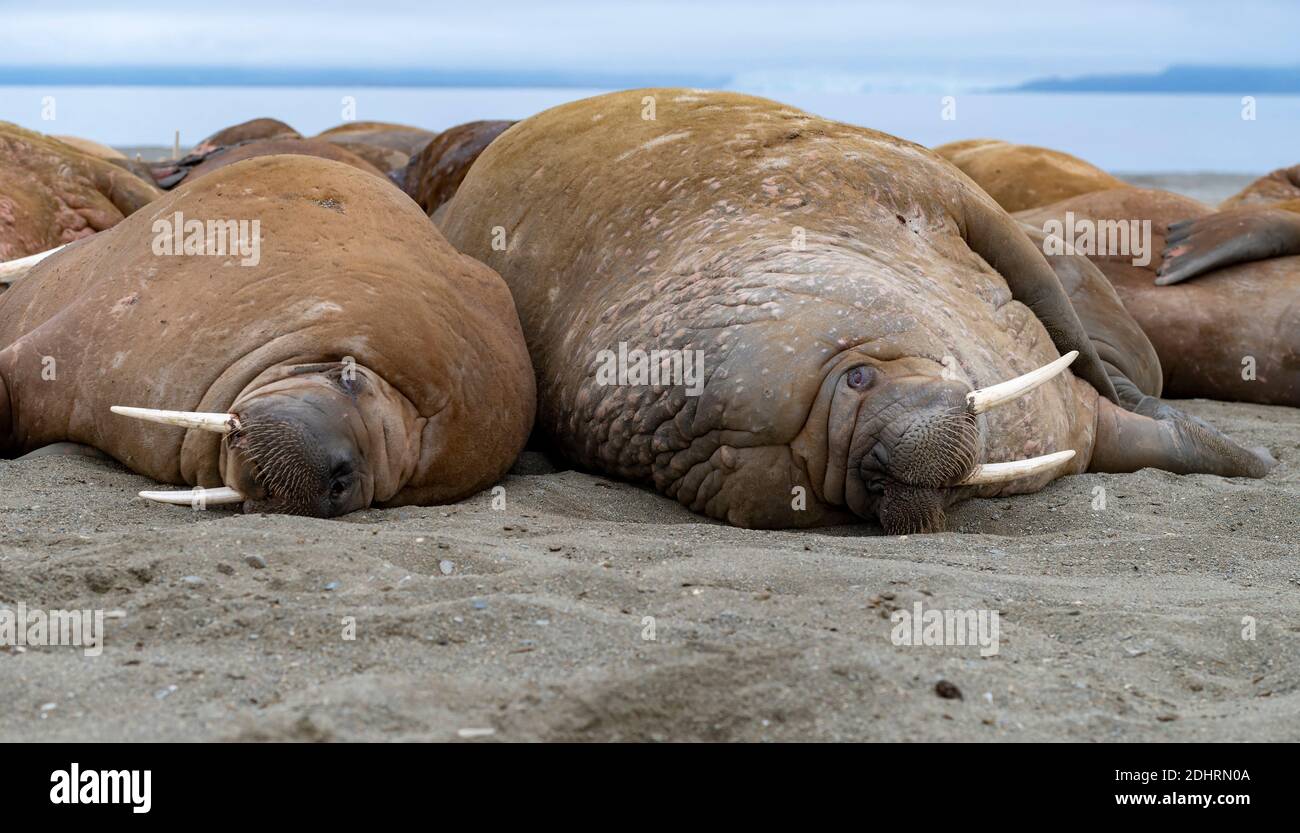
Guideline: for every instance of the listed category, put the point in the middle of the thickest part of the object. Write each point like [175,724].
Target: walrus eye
[340,480]
[861,377]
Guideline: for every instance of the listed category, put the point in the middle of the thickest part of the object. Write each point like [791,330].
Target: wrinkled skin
[847,290]
[1203,329]
[1018,177]
[359,374]
[52,193]
[434,174]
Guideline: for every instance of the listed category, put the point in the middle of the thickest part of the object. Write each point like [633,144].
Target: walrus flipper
[1127,442]
[997,238]
[1194,247]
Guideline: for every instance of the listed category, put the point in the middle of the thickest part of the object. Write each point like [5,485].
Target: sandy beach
[529,622]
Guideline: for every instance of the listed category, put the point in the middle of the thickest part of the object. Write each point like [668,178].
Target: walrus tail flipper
[1194,247]
[1128,441]
[994,236]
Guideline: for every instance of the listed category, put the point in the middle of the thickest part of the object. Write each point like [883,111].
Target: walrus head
[321,442]
[910,441]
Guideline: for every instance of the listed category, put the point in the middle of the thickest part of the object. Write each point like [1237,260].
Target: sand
[528,622]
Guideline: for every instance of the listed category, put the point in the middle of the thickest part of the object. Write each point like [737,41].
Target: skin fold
[365,360]
[845,288]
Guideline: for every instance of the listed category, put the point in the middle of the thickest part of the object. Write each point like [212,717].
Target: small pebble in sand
[446,567]
[333,585]
[192,580]
[164,693]
[48,707]
[476,733]
[947,690]
[479,604]
[257,562]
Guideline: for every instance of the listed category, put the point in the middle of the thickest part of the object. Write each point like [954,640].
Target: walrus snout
[299,455]
[930,446]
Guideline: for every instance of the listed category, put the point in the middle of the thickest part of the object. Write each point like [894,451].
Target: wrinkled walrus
[52,193]
[360,361]
[846,325]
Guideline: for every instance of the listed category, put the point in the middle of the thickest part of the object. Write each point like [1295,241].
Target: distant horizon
[1174,79]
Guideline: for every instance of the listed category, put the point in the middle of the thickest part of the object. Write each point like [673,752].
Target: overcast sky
[893,43]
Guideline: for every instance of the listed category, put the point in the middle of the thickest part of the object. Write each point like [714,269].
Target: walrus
[195,165]
[1233,337]
[433,175]
[401,137]
[872,327]
[247,131]
[1280,186]
[360,362]
[1260,222]
[1024,176]
[1233,333]
[52,193]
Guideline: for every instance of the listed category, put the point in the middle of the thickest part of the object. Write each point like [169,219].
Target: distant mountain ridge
[1177,79]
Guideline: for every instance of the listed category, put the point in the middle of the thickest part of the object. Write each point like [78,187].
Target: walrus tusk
[12,270]
[221,423]
[217,496]
[979,401]
[1002,472]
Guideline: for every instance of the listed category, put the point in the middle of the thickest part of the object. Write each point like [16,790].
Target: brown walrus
[1234,332]
[844,291]
[361,361]
[401,137]
[52,193]
[433,175]
[1282,185]
[1260,222]
[1024,176]
[247,131]
[1234,336]
[195,165]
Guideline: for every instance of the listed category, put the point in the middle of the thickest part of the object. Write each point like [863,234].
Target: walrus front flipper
[1127,441]
[995,236]
[1194,247]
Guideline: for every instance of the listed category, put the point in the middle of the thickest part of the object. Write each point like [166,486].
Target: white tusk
[1002,472]
[12,270]
[979,401]
[221,423]
[200,496]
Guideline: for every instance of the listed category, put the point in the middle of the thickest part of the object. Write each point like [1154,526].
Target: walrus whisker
[220,423]
[12,270]
[983,399]
[1015,469]
[185,497]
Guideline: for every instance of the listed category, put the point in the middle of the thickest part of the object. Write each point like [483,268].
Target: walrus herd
[778,320]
